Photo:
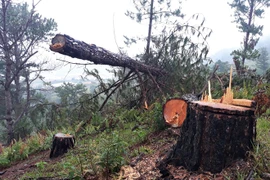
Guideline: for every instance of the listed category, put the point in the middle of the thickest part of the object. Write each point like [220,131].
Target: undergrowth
[21,149]
[101,152]
[261,153]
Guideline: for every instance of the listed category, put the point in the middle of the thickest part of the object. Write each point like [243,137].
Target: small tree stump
[213,135]
[61,144]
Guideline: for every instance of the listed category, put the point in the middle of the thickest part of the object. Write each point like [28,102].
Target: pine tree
[245,13]
[170,45]
[263,60]
[22,31]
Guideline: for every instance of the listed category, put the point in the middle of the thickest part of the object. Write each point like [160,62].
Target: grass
[102,154]
[261,153]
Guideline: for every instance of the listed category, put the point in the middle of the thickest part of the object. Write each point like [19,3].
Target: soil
[20,168]
[141,167]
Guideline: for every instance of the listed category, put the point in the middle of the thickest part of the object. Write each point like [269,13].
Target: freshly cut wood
[227,98]
[175,112]
[66,45]
[244,102]
[239,102]
[212,136]
[61,144]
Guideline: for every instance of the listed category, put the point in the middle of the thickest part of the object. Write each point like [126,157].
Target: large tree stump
[213,135]
[61,144]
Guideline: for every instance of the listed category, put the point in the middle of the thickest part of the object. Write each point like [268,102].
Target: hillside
[143,150]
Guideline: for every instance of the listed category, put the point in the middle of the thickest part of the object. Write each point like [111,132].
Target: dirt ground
[17,170]
[142,167]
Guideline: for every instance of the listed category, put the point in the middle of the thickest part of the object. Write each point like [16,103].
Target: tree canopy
[22,31]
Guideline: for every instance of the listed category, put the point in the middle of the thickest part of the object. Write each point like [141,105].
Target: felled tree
[168,45]
[171,62]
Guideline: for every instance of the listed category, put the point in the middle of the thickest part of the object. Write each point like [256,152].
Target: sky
[103,22]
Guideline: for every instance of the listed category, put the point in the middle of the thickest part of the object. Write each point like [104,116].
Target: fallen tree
[68,46]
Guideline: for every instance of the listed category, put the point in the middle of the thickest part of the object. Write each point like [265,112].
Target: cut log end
[175,112]
[61,144]
[58,42]
[57,47]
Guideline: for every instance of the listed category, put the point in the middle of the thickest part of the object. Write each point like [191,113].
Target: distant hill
[224,54]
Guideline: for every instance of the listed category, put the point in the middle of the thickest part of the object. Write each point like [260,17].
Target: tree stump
[61,144]
[213,135]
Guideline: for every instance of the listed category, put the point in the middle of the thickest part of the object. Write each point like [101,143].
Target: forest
[118,123]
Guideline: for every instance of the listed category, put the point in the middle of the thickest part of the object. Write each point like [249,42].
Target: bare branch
[118,85]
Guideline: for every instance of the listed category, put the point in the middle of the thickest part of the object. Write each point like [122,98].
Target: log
[175,112]
[68,46]
[61,144]
[212,136]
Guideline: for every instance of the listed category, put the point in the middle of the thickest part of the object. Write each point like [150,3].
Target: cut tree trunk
[68,46]
[212,136]
[61,144]
[175,112]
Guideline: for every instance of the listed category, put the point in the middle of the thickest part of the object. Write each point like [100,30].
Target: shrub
[17,151]
[112,153]
[4,161]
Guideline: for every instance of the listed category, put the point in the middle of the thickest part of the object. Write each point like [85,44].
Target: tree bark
[61,144]
[213,135]
[147,52]
[68,46]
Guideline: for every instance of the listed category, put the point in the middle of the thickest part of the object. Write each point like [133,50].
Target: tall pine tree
[245,13]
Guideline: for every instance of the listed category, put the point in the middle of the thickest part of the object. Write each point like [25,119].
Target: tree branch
[119,84]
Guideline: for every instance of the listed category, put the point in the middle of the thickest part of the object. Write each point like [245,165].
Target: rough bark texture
[213,136]
[66,45]
[61,144]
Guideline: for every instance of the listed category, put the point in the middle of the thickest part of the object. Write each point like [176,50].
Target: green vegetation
[245,13]
[113,122]
[101,154]
[20,150]
[19,44]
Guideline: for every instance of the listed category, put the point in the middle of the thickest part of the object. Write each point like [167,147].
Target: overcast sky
[102,22]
